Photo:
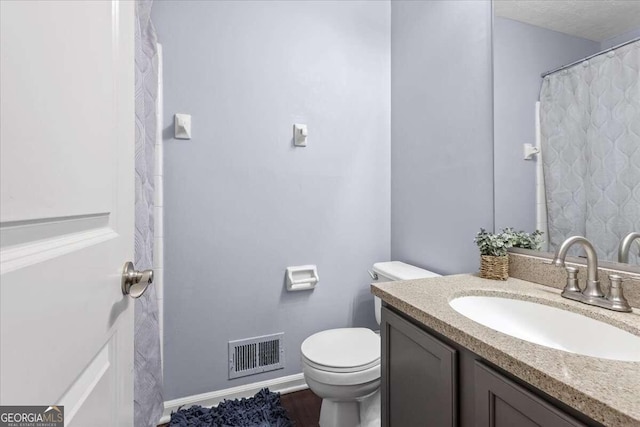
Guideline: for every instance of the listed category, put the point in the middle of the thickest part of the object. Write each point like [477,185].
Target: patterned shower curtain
[590,125]
[148,398]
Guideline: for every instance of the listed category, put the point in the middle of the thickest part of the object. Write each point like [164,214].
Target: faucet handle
[572,280]
[615,296]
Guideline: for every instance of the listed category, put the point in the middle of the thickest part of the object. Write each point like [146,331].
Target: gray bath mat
[262,410]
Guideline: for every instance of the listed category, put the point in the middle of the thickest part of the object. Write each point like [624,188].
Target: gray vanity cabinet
[431,381]
[499,402]
[418,376]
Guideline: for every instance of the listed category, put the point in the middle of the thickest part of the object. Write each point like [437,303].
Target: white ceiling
[595,20]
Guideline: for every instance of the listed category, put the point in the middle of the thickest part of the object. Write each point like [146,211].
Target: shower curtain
[590,124]
[148,398]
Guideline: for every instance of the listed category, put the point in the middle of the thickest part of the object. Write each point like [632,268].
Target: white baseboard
[282,385]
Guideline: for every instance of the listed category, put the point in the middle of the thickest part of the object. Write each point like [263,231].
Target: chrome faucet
[592,293]
[625,246]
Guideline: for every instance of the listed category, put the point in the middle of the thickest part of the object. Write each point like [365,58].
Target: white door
[66,207]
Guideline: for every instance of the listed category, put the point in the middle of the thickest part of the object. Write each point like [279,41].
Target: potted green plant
[524,240]
[494,260]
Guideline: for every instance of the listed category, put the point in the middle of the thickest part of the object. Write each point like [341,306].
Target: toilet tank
[396,270]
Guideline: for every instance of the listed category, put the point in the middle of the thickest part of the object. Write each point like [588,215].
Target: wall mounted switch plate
[300,135]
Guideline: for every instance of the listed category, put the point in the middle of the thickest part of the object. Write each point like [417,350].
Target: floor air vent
[254,355]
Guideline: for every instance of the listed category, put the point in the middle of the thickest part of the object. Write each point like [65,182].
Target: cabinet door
[502,403]
[419,376]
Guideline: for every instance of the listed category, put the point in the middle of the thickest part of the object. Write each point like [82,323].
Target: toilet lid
[343,348]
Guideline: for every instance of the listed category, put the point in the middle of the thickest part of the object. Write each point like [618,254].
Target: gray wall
[242,204]
[441,128]
[627,35]
[521,53]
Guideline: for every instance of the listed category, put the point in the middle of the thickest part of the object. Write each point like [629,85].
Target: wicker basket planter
[494,267]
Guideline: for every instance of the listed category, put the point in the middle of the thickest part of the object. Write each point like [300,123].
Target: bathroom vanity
[440,368]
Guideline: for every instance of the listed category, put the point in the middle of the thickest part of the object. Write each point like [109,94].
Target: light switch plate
[300,135]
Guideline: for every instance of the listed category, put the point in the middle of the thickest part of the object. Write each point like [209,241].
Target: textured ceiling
[595,20]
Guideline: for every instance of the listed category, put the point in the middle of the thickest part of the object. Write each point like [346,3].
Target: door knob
[134,282]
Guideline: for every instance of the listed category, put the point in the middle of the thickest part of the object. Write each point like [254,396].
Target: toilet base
[353,413]
[339,414]
[349,399]
[371,411]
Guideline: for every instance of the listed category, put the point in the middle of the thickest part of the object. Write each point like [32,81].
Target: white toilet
[342,366]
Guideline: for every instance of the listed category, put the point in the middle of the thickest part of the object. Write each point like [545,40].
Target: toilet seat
[340,370]
[344,356]
[341,378]
[343,349]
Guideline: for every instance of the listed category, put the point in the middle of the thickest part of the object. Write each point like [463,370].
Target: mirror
[585,118]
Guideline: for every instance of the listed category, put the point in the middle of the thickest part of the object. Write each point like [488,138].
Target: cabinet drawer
[500,402]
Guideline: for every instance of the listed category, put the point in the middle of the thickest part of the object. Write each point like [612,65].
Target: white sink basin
[550,327]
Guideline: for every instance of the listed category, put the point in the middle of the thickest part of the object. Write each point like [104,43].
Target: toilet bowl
[342,366]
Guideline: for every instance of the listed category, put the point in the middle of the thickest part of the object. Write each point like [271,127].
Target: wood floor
[303,408]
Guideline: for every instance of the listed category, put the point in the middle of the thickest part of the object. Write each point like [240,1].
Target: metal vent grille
[254,355]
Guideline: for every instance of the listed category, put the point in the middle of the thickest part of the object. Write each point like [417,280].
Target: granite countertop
[607,391]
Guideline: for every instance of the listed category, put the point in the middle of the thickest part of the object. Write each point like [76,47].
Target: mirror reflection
[567,122]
